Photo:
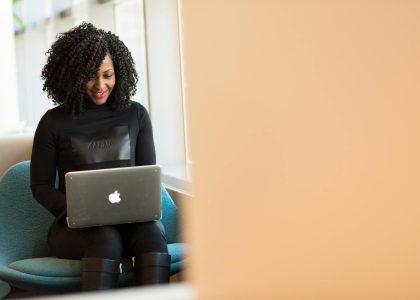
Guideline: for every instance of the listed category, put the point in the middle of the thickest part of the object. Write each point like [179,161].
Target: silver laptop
[113,196]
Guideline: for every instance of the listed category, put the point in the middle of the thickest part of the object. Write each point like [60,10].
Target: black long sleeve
[145,146]
[43,168]
[99,138]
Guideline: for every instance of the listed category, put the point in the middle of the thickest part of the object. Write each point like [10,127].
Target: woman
[90,75]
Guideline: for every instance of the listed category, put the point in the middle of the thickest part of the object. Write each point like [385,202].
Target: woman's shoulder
[137,107]
[55,114]
[57,111]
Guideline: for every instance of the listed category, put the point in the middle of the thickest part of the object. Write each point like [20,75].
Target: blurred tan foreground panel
[304,120]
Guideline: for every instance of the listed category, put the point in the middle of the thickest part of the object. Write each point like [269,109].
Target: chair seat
[57,267]
[178,253]
[47,266]
[50,272]
[4,289]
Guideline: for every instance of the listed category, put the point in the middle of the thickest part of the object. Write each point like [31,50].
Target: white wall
[165,88]
[102,16]
[31,48]
[8,85]
[130,27]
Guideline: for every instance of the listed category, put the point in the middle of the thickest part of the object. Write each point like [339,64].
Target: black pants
[111,242]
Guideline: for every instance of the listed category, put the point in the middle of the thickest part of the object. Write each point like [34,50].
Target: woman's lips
[100,95]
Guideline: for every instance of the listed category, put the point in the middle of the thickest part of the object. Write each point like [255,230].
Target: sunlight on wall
[8,86]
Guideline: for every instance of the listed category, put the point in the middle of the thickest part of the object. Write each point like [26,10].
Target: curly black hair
[75,58]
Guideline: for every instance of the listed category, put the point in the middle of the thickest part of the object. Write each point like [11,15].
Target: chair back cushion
[24,222]
[169,217]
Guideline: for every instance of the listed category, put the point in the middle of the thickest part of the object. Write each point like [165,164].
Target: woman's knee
[147,237]
[150,228]
[105,241]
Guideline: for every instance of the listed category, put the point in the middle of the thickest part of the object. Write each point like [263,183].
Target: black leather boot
[99,273]
[152,268]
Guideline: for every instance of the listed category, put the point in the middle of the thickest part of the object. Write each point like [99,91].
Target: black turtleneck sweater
[99,138]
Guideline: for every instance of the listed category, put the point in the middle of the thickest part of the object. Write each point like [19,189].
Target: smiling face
[100,87]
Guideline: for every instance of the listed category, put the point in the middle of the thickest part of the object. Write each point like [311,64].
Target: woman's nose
[99,84]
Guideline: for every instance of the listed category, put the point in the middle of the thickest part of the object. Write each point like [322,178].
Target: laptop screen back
[113,196]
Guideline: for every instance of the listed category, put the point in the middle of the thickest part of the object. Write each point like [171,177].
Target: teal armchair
[4,289]
[25,260]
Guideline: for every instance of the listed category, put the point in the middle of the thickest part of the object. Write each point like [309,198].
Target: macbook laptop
[113,196]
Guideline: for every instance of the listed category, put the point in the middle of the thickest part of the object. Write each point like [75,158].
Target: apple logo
[114,197]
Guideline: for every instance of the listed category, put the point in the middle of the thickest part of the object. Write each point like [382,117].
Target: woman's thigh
[143,237]
[75,243]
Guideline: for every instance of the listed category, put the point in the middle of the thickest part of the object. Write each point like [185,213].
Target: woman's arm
[43,168]
[145,147]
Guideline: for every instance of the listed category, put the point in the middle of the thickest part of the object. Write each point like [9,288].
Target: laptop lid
[113,196]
